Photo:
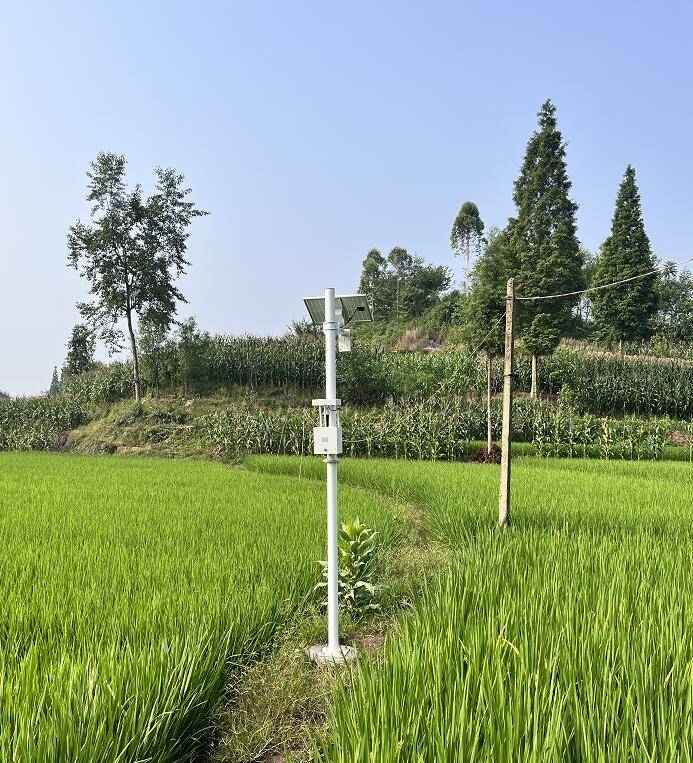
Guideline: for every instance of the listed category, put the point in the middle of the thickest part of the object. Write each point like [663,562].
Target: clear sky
[315,131]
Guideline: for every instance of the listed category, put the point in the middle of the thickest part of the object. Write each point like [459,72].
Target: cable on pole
[492,329]
[663,269]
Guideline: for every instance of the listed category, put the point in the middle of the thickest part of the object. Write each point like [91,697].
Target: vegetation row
[601,384]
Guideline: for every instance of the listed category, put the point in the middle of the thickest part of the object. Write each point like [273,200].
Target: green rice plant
[132,591]
[566,637]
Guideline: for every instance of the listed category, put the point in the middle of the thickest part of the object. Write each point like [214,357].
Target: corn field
[603,385]
[36,423]
[444,430]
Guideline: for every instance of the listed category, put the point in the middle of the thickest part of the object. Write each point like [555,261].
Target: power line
[493,328]
[663,269]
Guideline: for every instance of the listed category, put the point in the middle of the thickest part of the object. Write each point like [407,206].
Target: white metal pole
[330,331]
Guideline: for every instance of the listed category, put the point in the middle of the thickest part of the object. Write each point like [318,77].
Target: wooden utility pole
[507,436]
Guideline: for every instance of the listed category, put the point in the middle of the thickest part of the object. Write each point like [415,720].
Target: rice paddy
[569,637]
[131,590]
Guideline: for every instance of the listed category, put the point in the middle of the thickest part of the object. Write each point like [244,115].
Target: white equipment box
[344,340]
[327,440]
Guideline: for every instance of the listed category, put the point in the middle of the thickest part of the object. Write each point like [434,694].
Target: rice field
[131,590]
[567,638]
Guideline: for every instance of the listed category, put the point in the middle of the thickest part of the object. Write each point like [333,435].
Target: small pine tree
[485,306]
[80,351]
[54,389]
[625,312]
[544,241]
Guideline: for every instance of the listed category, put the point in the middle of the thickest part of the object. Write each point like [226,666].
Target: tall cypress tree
[625,312]
[80,351]
[544,240]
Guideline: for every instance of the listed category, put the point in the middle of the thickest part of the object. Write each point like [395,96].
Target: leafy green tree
[467,234]
[484,308]
[304,327]
[627,311]
[544,242]
[190,341]
[674,320]
[4,395]
[401,285]
[80,351]
[132,253]
[153,344]
[54,389]
[375,283]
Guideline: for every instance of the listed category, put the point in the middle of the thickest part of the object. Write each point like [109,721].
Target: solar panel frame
[355,308]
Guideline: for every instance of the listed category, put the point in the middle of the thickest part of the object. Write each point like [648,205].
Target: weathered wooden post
[507,435]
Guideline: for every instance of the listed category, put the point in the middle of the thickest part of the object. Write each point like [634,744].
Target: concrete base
[322,654]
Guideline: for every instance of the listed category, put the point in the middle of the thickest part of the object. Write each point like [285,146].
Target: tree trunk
[535,386]
[135,359]
[489,426]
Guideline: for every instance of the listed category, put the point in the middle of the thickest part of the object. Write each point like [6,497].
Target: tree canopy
[545,249]
[625,312]
[467,234]
[484,307]
[133,252]
[54,388]
[80,350]
[674,321]
[401,285]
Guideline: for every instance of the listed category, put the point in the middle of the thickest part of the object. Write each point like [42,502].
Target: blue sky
[313,132]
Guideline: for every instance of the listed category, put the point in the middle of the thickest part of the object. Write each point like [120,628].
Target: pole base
[322,654]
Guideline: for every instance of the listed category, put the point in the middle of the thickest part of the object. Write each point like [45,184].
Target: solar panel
[355,309]
[316,309]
